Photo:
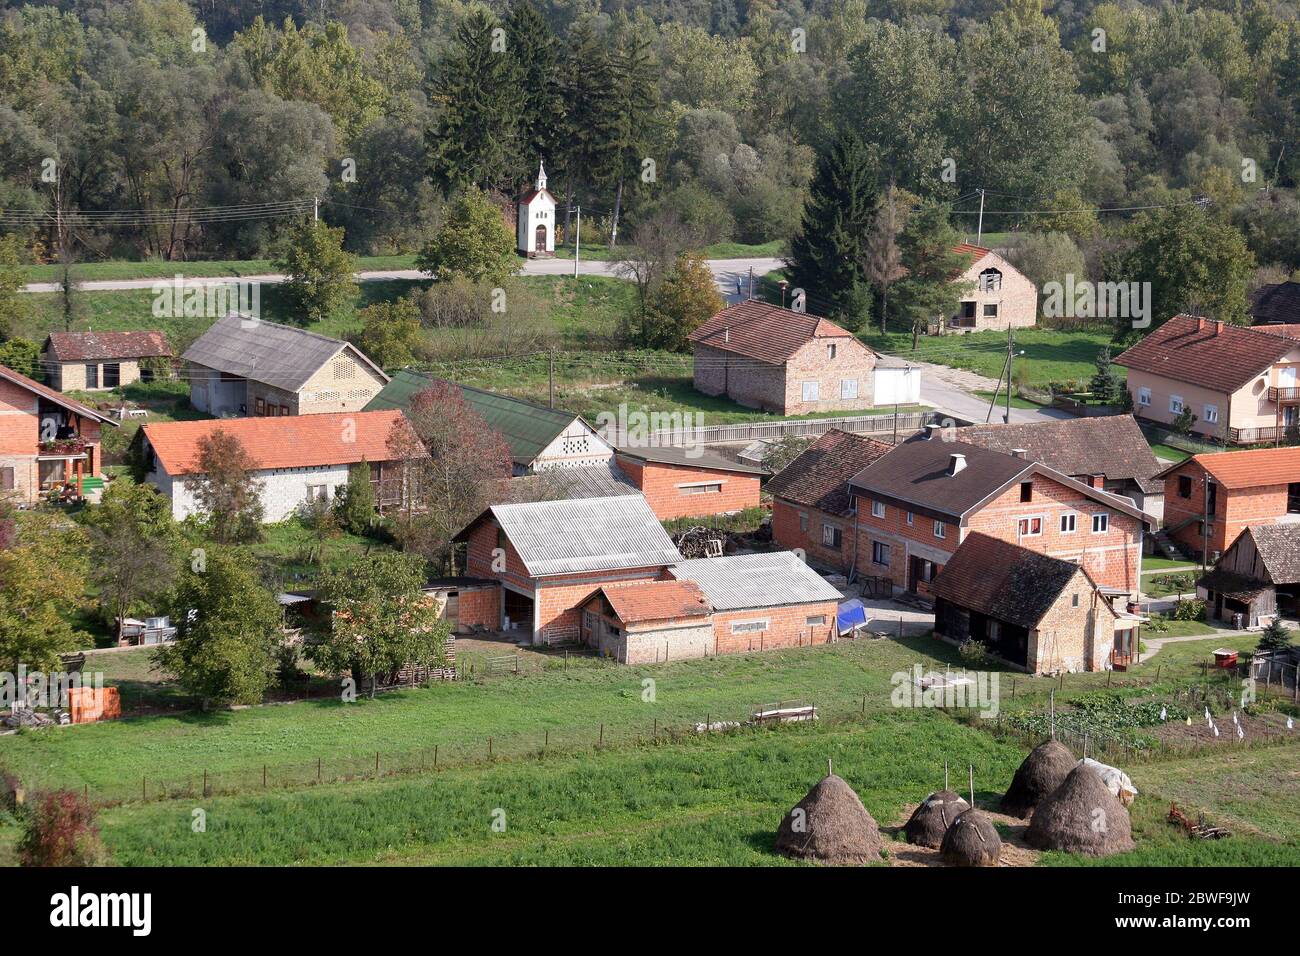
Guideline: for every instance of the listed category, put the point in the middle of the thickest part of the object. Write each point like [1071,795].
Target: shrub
[61,831]
[1191,609]
[1275,637]
[974,653]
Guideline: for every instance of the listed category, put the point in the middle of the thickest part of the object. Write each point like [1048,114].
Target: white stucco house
[536,220]
[296,457]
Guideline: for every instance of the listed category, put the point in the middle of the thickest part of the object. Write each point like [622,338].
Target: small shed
[1258,577]
[643,621]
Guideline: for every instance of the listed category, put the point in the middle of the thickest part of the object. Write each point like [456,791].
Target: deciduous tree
[321,274]
[226,491]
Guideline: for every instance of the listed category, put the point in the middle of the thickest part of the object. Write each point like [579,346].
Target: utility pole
[1011,347]
[979,230]
[751,282]
[550,374]
[577,246]
[315,209]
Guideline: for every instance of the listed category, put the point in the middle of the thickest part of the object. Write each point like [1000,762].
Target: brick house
[1000,295]
[48,442]
[786,362]
[98,361]
[1109,448]
[695,482]
[550,556]
[812,510]
[763,601]
[296,459]
[648,621]
[915,505]
[1240,383]
[539,438]
[1211,499]
[243,366]
[1036,612]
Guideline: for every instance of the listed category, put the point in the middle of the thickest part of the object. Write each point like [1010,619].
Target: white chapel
[536,231]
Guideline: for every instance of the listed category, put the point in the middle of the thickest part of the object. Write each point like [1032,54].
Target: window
[501,538]
[318,492]
[815,620]
[92,376]
[1144,396]
[1100,523]
[7,478]
[810,391]
[1029,527]
[803,522]
[343,368]
[1175,404]
[1293,498]
[990,310]
[1184,486]
[1026,491]
[1068,522]
[1074,600]
[832,536]
[112,374]
[880,554]
[830,351]
[702,488]
[284,409]
[990,280]
[748,627]
[260,405]
[1211,414]
[939,529]
[877,509]
[848,388]
[910,517]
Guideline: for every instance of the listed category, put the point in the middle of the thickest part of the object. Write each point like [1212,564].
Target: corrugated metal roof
[589,534]
[277,355]
[528,428]
[597,481]
[755,580]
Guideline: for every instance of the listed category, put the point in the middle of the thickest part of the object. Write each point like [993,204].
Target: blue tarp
[851,614]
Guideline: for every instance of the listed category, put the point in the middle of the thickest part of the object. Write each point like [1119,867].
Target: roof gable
[1206,352]
[1004,580]
[1278,547]
[293,441]
[819,477]
[50,395]
[1251,468]
[765,332]
[278,355]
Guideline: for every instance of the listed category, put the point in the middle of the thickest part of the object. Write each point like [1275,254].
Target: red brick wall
[1112,558]
[19,427]
[785,529]
[480,606]
[786,628]
[1234,510]
[659,483]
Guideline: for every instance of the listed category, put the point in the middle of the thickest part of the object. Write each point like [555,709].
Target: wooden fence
[902,424]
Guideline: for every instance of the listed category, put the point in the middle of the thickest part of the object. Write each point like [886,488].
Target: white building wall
[283,489]
[576,447]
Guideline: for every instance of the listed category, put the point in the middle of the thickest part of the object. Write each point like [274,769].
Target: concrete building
[782,361]
[243,366]
[1036,612]
[999,296]
[99,361]
[690,482]
[295,459]
[1240,383]
[535,220]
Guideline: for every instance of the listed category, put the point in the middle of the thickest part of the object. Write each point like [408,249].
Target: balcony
[1265,433]
[1282,395]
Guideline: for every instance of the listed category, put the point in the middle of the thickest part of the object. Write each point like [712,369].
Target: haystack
[1081,816]
[830,825]
[1042,771]
[972,840]
[931,820]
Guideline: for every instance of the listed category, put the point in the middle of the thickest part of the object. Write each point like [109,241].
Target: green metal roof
[526,426]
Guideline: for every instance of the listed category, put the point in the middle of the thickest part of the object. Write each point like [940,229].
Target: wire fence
[1175,741]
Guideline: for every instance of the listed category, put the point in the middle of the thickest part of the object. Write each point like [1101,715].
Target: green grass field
[1050,355]
[1016,400]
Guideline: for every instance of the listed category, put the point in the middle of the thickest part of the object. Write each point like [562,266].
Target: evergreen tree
[1107,386]
[929,255]
[826,256]
[1275,637]
[590,129]
[532,45]
[356,503]
[475,138]
[636,90]
[884,260]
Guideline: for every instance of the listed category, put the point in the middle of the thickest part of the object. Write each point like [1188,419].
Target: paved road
[726,271]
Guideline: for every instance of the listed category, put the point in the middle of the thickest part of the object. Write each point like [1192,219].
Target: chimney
[1018,453]
[1097,481]
[956,463]
[1200,323]
[1215,325]
[931,431]
[726,334]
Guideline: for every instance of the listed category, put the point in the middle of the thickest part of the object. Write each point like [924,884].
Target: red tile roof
[643,601]
[293,441]
[976,252]
[1253,468]
[764,332]
[58,398]
[106,346]
[1206,352]
[819,477]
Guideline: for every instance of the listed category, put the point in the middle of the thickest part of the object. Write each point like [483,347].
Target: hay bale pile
[830,825]
[1042,772]
[1081,816]
[972,840]
[931,820]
